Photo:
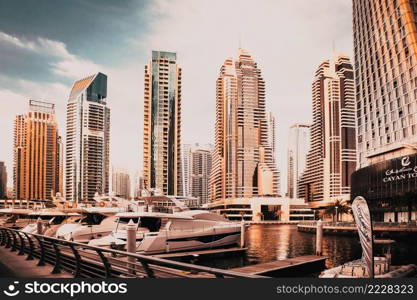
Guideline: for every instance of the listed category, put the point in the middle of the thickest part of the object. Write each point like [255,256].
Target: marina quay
[267,142]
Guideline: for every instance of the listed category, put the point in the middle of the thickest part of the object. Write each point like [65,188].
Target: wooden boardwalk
[208,252]
[282,265]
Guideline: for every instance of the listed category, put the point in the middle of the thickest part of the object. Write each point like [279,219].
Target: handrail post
[3,237]
[8,243]
[14,241]
[106,264]
[22,244]
[57,266]
[77,256]
[42,258]
[31,248]
[148,270]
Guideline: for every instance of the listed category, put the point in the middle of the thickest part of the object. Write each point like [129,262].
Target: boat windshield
[153,224]
[92,219]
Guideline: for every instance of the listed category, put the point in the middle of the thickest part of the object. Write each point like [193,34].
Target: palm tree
[242,213]
[337,208]
[278,214]
[260,215]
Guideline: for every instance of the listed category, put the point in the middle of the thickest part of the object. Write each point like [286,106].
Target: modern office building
[3,180]
[385,47]
[121,183]
[88,137]
[196,169]
[162,124]
[243,162]
[332,155]
[37,172]
[200,169]
[272,143]
[298,146]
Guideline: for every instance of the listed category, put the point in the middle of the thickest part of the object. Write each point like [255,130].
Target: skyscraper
[243,162]
[88,136]
[298,146]
[272,143]
[3,180]
[386,78]
[332,156]
[185,168]
[121,183]
[37,157]
[162,124]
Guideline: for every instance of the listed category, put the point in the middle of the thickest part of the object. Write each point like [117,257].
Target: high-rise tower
[332,156]
[243,162]
[88,136]
[162,124]
[298,146]
[37,146]
[385,46]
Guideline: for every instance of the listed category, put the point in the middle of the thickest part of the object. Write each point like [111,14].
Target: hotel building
[332,155]
[385,47]
[162,124]
[121,183]
[37,153]
[243,162]
[88,137]
[298,146]
[3,180]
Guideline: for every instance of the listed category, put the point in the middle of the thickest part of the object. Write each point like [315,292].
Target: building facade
[37,170]
[200,169]
[88,139]
[162,124]
[121,183]
[298,146]
[3,180]
[243,162]
[332,155]
[386,79]
[386,94]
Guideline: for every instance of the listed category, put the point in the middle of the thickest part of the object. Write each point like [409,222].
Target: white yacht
[95,222]
[52,220]
[15,218]
[179,231]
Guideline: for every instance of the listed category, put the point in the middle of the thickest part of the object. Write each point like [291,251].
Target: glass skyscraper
[88,137]
[162,124]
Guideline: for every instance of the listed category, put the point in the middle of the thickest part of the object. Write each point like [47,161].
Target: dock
[286,267]
[208,252]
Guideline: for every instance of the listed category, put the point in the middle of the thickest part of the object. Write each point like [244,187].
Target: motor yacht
[179,231]
[15,218]
[52,220]
[95,222]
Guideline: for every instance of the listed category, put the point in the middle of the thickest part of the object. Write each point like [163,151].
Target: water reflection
[272,242]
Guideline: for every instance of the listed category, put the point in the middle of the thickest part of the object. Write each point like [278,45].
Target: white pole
[131,245]
[39,226]
[319,237]
[242,234]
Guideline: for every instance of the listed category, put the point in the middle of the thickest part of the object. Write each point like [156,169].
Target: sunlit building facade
[243,162]
[332,155]
[37,172]
[121,183]
[385,48]
[88,139]
[162,124]
[298,146]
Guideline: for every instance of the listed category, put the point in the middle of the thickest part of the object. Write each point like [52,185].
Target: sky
[46,45]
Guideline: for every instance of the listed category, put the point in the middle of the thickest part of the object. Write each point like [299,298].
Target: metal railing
[86,261]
